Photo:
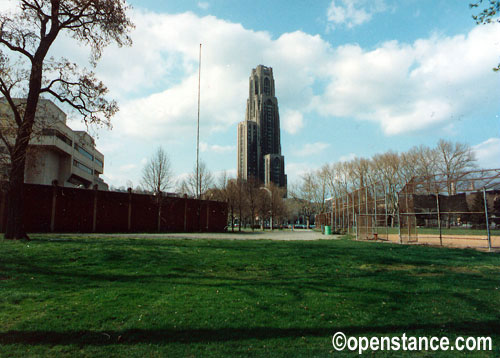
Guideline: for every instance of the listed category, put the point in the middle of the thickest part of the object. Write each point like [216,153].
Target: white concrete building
[56,152]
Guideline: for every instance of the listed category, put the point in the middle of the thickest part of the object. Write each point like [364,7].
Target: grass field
[122,297]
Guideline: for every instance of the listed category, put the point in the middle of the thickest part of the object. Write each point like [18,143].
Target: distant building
[259,143]
[55,151]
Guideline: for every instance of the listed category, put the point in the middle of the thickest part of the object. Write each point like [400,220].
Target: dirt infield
[462,241]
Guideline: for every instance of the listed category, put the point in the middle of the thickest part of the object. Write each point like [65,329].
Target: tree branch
[6,92]
[13,47]
[7,144]
[53,82]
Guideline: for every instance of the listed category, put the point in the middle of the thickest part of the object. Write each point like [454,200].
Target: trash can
[328,230]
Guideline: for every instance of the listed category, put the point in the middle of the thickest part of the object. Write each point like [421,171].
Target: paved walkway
[277,235]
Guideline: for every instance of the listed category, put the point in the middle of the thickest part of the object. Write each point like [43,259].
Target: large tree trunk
[15,195]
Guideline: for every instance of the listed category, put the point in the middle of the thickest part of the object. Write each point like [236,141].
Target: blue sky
[353,78]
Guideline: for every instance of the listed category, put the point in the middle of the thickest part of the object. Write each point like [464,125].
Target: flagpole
[198,181]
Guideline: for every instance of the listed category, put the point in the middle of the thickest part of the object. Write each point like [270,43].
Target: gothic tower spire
[259,142]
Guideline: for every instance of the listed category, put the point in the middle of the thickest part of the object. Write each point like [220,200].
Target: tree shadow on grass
[189,336]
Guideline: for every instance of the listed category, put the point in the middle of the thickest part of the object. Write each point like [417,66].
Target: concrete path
[277,235]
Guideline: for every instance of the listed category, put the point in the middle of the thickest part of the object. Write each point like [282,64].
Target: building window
[269,124]
[82,167]
[267,86]
[84,152]
[59,135]
[99,162]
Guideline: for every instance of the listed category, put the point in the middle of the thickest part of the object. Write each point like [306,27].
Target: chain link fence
[459,210]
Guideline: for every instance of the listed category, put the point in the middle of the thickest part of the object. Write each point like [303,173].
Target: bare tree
[241,201]
[264,205]
[387,169]
[157,175]
[419,161]
[314,189]
[452,160]
[25,39]
[360,169]
[232,200]
[252,192]
[278,209]
[222,180]
[310,194]
[194,187]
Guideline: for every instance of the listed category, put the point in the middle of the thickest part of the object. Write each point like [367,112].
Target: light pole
[271,196]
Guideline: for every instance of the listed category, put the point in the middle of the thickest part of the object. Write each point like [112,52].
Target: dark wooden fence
[59,209]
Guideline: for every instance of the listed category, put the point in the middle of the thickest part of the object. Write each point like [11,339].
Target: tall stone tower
[259,144]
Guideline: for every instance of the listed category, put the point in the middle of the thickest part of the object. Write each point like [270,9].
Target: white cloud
[9,5]
[353,12]
[178,179]
[311,149]
[488,153]
[120,175]
[215,148]
[229,173]
[347,157]
[203,5]
[128,167]
[292,121]
[402,87]
[296,170]
[170,50]
[406,88]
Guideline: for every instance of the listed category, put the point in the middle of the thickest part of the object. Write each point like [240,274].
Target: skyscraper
[259,144]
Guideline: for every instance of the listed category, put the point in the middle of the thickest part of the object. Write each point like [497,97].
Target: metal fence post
[366,209]
[331,217]
[335,221]
[348,219]
[487,219]
[375,207]
[439,220]
[357,227]
[354,210]
[386,216]
[407,211]
[399,220]
[343,214]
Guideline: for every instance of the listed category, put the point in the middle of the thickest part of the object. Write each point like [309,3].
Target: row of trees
[392,169]
[158,177]
[247,200]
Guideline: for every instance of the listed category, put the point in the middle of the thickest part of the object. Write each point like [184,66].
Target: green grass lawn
[114,297]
